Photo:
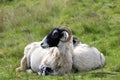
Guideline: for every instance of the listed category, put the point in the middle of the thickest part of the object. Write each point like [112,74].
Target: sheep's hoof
[42,71]
[45,71]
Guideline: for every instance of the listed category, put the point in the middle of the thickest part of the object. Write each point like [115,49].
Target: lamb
[35,55]
[86,58]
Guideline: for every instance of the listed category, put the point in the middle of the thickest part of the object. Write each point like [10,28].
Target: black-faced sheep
[62,39]
[58,58]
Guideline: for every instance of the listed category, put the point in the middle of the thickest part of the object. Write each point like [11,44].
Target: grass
[95,22]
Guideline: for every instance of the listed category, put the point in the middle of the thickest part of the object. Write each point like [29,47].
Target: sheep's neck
[65,58]
[66,51]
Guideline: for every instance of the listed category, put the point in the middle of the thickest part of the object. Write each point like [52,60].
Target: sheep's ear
[65,36]
[55,34]
[75,40]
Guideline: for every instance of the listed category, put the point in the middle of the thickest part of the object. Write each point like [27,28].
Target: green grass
[95,22]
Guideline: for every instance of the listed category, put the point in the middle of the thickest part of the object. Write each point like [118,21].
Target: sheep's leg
[23,65]
[44,70]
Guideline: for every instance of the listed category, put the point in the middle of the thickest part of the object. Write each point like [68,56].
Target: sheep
[86,57]
[35,55]
[62,40]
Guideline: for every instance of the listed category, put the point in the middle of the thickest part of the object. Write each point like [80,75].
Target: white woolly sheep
[86,58]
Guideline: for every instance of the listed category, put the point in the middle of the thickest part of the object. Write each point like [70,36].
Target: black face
[53,38]
[75,40]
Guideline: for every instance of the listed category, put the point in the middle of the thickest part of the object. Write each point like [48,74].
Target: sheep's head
[75,41]
[62,34]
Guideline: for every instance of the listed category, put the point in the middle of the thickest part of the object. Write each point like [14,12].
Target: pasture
[94,22]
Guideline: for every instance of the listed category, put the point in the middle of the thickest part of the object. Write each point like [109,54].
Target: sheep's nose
[44,45]
[41,44]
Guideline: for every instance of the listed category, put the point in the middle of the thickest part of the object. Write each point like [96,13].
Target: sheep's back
[86,57]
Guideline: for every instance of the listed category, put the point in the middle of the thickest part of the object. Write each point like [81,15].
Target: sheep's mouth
[43,45]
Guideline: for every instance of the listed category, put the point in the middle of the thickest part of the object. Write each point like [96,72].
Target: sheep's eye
[55,35]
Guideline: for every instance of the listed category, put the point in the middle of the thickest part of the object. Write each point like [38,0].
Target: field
[94,22]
